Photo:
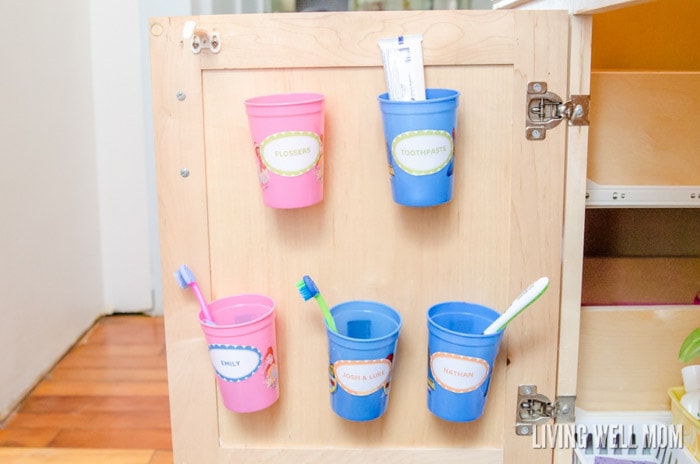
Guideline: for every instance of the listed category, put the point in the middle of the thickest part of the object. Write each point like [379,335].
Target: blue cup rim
[388,311]
[440,328]
[437,94]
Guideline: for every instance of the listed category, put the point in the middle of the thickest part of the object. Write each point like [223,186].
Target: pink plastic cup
[243,351]
[287,131]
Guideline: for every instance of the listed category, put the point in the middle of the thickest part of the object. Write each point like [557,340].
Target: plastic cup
[691,377]
[460,359]
[287,131]
[243,351]
[361,358]
[420,146]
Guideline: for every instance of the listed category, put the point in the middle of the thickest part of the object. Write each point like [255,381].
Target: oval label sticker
[290,153]
[362,378]
[422,152]
[234,363]
[457,373]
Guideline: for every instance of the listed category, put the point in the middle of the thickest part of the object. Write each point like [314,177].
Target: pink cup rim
[283,99]
[269,303]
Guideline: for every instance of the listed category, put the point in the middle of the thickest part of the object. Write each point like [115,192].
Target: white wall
[51,276]
[125,153]
[120,147]
[78,235]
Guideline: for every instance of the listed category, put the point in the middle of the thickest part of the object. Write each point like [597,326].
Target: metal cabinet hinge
[534,409]
[546,110]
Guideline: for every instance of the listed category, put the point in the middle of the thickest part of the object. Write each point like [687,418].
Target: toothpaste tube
[403,67]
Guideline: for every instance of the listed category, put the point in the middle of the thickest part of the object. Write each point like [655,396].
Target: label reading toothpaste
[234,363]
[422,152]
[457,373]
[362,378]
[290,153]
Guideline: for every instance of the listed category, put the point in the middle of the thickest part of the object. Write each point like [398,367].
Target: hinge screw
[527,391]
[524,430]
[537,87]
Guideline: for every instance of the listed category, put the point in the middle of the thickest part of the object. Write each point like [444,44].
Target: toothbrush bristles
[304,291]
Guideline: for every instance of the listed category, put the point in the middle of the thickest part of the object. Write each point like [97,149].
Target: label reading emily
[457,373]
[234,363]
[290,153]
[422,152]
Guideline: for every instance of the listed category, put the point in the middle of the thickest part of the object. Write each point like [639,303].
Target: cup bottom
[300,191]
[236,401]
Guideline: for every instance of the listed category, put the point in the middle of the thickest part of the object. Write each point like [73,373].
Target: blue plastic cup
[361,358]
[420,146]
[460,359]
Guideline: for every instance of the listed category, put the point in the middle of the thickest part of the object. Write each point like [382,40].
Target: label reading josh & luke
[290,153]
[234,363]
[422,152]
[362,378]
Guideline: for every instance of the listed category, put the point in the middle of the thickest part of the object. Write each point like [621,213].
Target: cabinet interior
[641,266]
[641,256]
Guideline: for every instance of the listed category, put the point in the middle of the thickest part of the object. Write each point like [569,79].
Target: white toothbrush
[525,299]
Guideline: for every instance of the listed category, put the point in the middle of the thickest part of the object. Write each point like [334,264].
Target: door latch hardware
[534,409]
[200,39]
[546,110]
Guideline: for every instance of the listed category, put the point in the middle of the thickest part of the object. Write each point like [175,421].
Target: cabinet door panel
[502,230]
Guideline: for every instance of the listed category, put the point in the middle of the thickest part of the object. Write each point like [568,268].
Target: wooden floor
[105,402]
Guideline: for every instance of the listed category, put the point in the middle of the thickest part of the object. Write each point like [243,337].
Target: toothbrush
[525,299]
[185,278]
[307,290]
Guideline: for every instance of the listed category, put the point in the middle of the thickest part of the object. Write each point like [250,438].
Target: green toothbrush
[307,290]
[525,299]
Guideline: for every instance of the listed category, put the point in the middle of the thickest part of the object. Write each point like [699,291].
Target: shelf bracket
[199,39]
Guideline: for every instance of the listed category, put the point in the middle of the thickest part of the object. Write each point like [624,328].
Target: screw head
[180,95]
[184,172]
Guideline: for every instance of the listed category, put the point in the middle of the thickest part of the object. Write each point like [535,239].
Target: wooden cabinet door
[501,231]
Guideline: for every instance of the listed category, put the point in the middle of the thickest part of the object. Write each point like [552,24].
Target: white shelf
[625,422]
[641,196]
